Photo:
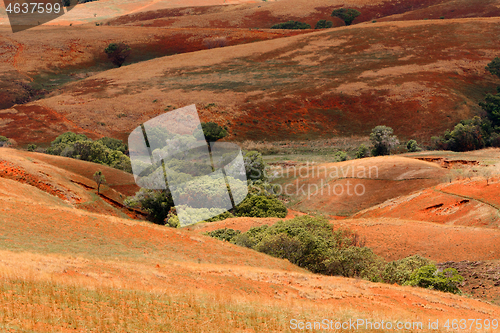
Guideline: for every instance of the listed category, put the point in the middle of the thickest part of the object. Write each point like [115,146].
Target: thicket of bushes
[313,244]
[291,25]
[106,151]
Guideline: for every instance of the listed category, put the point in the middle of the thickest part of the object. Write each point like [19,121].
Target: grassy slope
[338,82]
[82,264]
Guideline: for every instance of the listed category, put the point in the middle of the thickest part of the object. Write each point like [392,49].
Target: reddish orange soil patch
[395,239]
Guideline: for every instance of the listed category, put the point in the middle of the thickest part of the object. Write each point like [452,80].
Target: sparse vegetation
[291,25]
[362,151]
[4,141]
[348,15]
[99,179]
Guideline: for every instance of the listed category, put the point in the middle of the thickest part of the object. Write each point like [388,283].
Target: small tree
[430,277]
[210,131]
[362,151]
[323,24]
[99,179]
[412,146]
[291,25]
[118,53]
[383,140]
[346,14]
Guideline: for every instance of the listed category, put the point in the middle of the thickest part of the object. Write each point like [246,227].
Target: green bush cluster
[313,244]
[430,277]
[291,25]
[106,151]
[362,151]
[412,146]
[323,24]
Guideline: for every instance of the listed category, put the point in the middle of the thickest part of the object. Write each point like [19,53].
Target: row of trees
[313,244]
[348,15]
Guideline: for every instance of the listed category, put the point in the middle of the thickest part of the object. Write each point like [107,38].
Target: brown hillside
[336,82]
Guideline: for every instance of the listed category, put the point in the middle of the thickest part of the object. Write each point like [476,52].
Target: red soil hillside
[335,82]
[345,188]
[70,180]
[30,68]
[93,258]
[266,14]
[468,195]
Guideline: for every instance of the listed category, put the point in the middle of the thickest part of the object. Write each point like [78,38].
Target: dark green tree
[291,25]
[346,14]
[323,24]
[383,140]
[211,131]
[118,53]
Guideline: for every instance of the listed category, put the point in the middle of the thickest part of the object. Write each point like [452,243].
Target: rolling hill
[330,83]
[176,278]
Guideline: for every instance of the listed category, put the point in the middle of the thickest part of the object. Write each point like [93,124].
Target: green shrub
[311,243]
[113,144]
[31,147]
[4,141]
[157,203]
[224,234]
[323,24]
[255,166]
[400,271]
[117,52]
[68,138]
[412,146]
[291,25]
[429,277]
[261,206]
[341,156]
[362,151]
[383,140]
[346,14]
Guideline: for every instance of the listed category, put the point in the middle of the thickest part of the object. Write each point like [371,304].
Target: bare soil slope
[177,276]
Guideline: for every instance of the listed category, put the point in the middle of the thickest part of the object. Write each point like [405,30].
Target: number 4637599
[33,7]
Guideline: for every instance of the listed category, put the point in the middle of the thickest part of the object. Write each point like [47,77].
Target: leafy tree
[491,105]
[383,140]
[494,67]
[400,271]
[362,151]
[291,25]
[69,138]
[156,202]
[210,131]
[323,24]
[4,141]
[255,166]
[412,146]
[346,14]
[99,179]
[113,144]
[118,53]
[429,277]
